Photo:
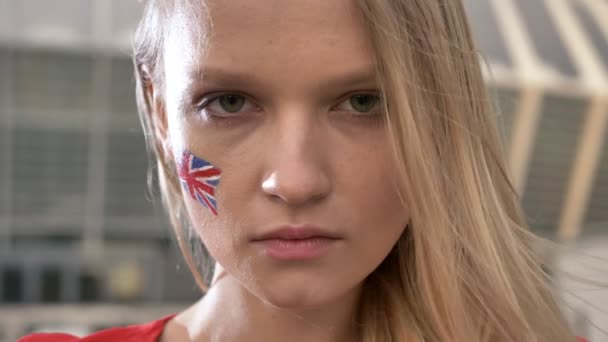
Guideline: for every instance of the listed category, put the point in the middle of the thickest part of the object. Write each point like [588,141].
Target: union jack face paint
[199,178]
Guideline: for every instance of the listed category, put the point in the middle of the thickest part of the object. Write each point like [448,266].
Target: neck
[229,312]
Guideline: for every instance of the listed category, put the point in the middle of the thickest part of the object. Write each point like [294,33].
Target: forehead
[271,38]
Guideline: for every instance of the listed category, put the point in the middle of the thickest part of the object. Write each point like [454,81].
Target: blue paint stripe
[211,200]
[198,162]
[212,182]
[200,199]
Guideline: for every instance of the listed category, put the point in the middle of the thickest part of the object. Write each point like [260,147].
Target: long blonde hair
[465,268]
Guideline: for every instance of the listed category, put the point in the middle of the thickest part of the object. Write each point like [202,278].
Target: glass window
[597,213]
[551,161]
[12,285]
[5,108]
[487,35]
[89,287]
[545,36]
[126,193]
[49,172]
[53,90]
[506,103]
[591,26]
[50,285]
[123,108]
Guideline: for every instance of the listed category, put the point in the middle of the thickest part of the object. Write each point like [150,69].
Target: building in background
[81,241]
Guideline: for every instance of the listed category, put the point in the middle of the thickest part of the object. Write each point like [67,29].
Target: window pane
[126,176]
[551,161]
[545,36]
[485,30]
[89,288]
[49,172]
[123,109]
[51,285]
[52,89]
[12,284]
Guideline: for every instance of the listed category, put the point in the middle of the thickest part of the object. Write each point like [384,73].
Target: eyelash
[207,100]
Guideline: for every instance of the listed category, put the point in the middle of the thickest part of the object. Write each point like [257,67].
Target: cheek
[199,180]
[219,234]
[208,194]
[379,216]
[384,220]
[207,180]
[369,177]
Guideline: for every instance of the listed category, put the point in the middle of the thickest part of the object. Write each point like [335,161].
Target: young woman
[339,161]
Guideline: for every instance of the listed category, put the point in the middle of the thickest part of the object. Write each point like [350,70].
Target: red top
[148,332]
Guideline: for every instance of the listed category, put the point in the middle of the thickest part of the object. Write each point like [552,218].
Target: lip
[291,243]
[297,249]
[297,233]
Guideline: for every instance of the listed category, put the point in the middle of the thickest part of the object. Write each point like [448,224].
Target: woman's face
[281,97]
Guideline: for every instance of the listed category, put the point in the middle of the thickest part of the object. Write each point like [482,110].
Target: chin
[301,294]
[296,297]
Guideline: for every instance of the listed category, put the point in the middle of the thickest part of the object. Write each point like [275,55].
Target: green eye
[231,103]
[363,103]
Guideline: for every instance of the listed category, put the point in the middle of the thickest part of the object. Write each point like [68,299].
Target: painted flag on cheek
[199,179]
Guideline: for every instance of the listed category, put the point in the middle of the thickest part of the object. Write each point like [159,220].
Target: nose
[297,172]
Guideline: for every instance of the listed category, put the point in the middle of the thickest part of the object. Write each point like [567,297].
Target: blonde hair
[465,269]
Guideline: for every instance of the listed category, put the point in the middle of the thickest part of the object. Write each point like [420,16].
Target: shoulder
[148,332]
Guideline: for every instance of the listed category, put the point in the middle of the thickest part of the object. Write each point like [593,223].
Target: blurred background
[84,247]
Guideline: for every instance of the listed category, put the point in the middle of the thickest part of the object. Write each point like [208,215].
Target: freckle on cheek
[199,178]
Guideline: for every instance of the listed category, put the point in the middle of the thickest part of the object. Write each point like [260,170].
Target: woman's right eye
[226,105]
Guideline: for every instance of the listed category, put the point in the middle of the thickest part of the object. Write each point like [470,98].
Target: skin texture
[296,153]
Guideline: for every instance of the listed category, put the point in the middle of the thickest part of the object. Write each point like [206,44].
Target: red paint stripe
[205,173]
[209,205]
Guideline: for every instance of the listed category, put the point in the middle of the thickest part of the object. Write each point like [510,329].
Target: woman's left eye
[361,104]
[227,105]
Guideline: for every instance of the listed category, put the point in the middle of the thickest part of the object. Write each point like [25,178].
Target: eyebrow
[363,77]
[214,76]
[217,76]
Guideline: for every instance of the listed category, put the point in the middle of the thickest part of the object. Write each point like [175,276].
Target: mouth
[297,233]
[296,242]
